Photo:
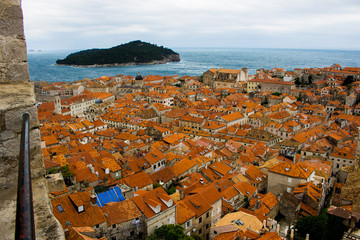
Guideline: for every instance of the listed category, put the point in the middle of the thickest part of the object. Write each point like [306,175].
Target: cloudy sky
[83,24]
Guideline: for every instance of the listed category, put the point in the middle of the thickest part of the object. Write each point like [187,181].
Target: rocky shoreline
[170,58]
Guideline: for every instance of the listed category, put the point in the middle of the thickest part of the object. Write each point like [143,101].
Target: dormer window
[80,208]
[158,209]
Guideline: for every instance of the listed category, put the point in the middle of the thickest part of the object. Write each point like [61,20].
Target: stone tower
[17,97]
[57,105]
[139,81]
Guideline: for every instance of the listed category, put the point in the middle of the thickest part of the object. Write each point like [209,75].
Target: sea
[194,62]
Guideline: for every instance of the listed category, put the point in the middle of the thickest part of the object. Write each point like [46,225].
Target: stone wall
[13,58]
[17,97]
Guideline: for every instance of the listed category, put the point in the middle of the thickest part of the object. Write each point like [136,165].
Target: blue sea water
[194,62]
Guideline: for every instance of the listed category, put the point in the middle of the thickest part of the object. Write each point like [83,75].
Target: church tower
[57,104]
[139,80]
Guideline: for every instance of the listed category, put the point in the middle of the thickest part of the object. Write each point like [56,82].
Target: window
[288,189]
[207,226]
[200,230]
[60,208]
[132,233]
[97,226]
[188,224]
[114,226]
[207,215]
[200,219]
[289,180]
[113,238]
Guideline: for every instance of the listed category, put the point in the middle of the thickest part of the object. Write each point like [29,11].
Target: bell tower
[139,81]
[57,104]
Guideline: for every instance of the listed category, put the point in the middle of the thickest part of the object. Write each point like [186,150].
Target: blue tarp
[112,195]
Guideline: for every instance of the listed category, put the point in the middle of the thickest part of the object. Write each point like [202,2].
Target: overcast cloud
[82,24]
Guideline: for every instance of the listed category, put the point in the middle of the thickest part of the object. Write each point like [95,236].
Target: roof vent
[287,169]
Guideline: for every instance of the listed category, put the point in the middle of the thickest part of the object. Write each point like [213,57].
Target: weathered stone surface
[15,95]
[16,72]
[55,182]
[11,19]
[11,147]
[6,135]
[7,211]
[12,50]
[13,119]
[2,122]
[47,226]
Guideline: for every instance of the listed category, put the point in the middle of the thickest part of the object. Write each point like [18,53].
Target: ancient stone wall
[13,58]
[17,97]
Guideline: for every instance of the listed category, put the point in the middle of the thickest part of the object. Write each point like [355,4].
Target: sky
[298,24]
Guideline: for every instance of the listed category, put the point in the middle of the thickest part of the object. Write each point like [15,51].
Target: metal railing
[25,227]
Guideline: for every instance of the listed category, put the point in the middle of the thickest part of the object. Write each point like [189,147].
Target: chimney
[258,204]
[292,234]
[181,193]
[307,237]
[93,199]
[278,229]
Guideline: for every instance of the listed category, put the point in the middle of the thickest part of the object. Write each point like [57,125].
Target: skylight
[60,208]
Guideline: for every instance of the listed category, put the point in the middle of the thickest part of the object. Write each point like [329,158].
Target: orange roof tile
[298,170]
[118,212]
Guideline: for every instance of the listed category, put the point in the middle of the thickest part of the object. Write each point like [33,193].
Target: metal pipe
[25,227]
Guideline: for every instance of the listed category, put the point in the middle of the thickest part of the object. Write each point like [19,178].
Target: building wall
[278,183]
[338,163]
[216,211]
[166,217]
[129,230]
[283,88]
[203,224]
[188,228]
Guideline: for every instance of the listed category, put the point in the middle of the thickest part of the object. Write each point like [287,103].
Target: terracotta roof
[270,236]
[78,233]
[154,156]
[298,170]
[65,211]
[139,180]
[219,167]
[118,212]
[197,204]
[183,166]
[255,174]
[232,117]
[210,194]
[149,200]
[184,212]
[164,175]
[240,220]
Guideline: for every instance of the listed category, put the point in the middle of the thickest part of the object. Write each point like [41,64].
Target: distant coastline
[116,64]
[129,54]
[194,62]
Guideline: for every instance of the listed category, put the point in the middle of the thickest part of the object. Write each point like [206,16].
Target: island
[132,53]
